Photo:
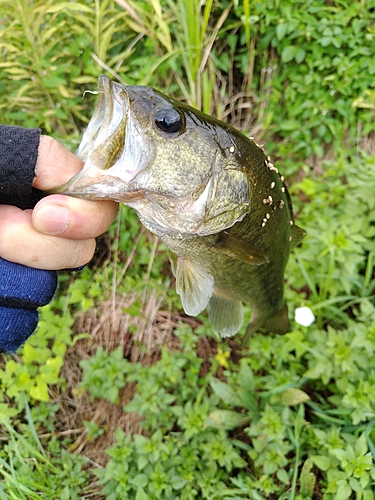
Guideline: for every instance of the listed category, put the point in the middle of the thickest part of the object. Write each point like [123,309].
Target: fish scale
[208,192]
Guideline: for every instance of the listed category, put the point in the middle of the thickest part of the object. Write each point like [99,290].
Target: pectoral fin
[243,250]
[225,315]
[194,285]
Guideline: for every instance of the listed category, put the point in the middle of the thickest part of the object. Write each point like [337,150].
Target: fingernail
[51,219]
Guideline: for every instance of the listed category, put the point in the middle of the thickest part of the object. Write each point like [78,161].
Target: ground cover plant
[118,394]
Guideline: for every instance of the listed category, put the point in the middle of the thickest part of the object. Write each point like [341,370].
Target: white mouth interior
[107,116]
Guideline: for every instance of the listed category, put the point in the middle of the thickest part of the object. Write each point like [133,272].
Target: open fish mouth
[98,128]
[102,145]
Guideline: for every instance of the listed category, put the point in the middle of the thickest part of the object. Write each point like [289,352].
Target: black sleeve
[18,156]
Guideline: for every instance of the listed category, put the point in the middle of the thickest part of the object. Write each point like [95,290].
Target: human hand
[60,231]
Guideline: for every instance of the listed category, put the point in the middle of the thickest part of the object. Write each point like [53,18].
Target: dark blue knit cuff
[22,291]
[16,326]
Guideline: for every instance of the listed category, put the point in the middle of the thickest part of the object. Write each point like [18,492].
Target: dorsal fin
[194,285]
[236,247]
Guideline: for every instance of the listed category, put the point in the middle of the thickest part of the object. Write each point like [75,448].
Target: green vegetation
[119,395]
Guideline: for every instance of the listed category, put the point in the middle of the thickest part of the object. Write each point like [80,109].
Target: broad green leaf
[40,391]
[246,375]
[321,461]
[7,412]
[300,55]
[141,495]
[281,30]
[307,479]
[343,492]
[226,419]
[178,482]
[225,392]
[283,476]
[293,396]
[368,495]
[325,41]
[249,400]
[288,54]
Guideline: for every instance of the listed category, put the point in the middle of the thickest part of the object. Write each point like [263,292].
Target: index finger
[55,164]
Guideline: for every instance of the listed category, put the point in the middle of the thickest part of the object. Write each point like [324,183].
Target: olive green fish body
[268,229]
[209,193]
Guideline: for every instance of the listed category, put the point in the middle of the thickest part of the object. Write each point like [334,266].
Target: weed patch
[118,395]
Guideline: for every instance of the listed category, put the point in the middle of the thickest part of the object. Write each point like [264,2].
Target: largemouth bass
[209,193]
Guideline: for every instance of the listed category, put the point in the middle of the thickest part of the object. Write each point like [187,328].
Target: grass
[119,395]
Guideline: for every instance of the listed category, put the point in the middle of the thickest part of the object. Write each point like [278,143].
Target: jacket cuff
[18,157]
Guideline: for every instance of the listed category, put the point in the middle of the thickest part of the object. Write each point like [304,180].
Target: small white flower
[304,316]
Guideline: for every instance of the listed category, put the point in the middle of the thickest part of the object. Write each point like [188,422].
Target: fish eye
[168,119]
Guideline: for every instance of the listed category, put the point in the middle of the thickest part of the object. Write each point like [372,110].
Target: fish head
[170,162]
